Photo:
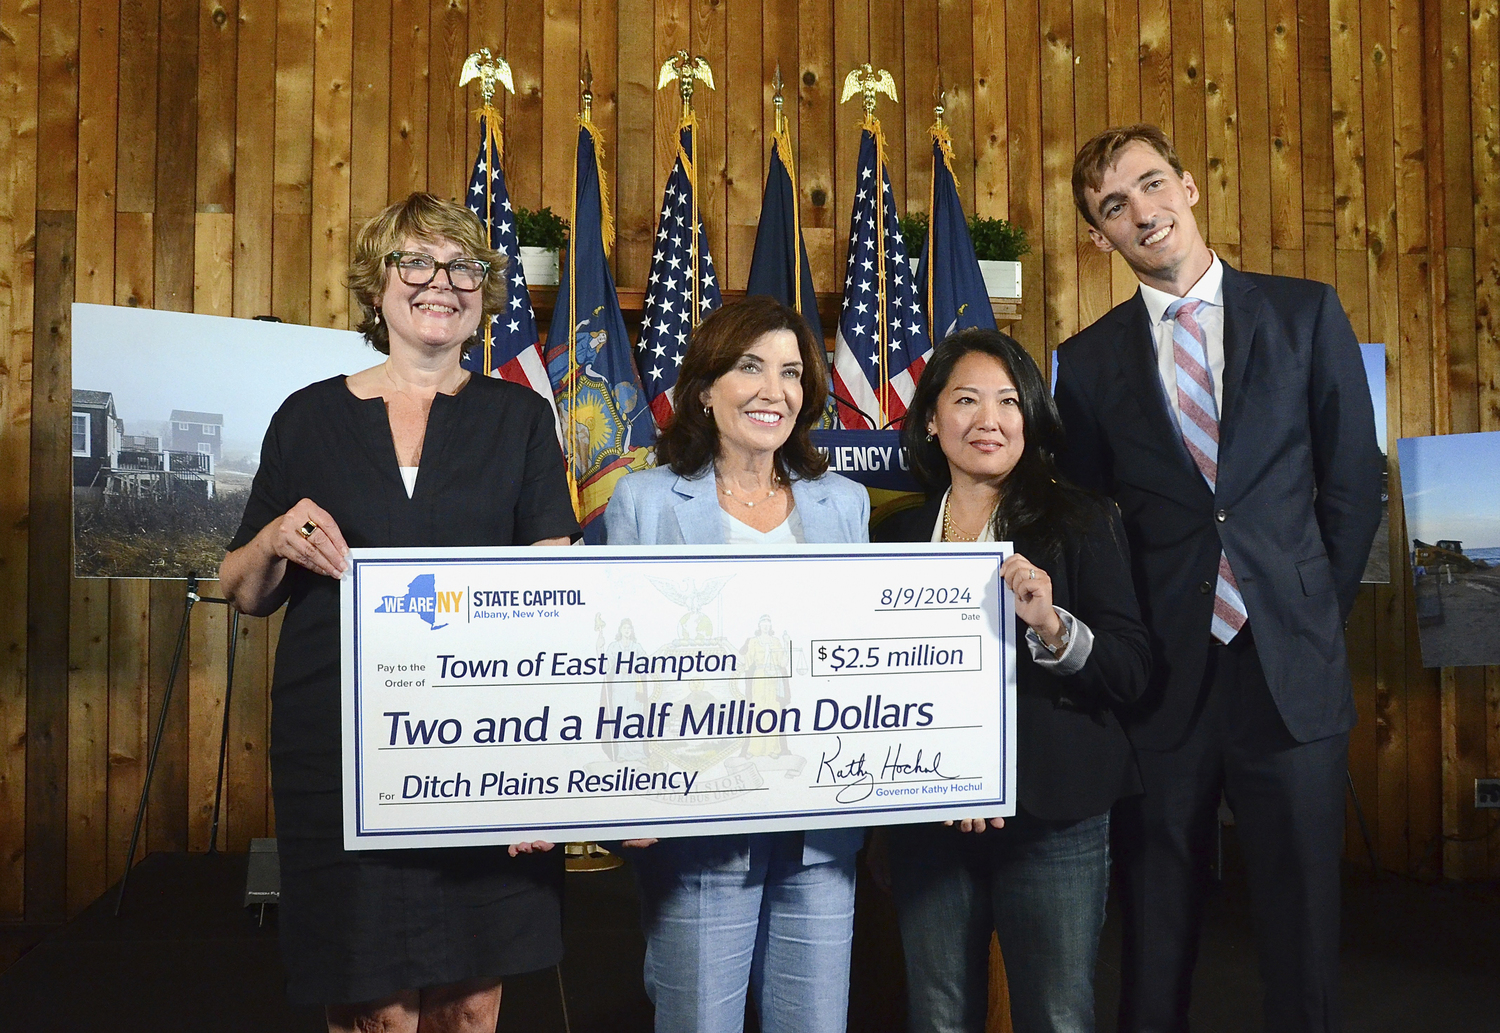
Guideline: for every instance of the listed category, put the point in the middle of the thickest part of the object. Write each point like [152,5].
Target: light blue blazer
[659,507]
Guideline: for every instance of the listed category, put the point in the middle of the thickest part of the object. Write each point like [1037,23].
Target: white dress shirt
[1210,316]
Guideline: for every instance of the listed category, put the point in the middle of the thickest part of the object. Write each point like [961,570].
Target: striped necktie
[1198,415]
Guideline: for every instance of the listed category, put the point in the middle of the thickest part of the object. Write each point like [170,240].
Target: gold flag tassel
[606,216]
[944,140]
[690,166]
[781,140]
[570,439]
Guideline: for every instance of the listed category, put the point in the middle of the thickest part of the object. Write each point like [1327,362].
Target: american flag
[882,344]
[676,299]
[509,347]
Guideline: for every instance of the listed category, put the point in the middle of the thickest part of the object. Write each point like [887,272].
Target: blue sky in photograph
[1451,486]
[1374,356]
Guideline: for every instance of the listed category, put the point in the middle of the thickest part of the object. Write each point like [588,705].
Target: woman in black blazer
[981,433]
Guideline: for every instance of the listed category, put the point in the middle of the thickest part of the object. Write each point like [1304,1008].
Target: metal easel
[161,727]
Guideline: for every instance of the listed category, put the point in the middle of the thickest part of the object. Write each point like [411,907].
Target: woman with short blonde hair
[412,452]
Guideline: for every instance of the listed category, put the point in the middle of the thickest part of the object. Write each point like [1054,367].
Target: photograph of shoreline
[1450,485]
[169,411]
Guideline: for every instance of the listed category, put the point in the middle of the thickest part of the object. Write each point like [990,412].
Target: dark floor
[186,956]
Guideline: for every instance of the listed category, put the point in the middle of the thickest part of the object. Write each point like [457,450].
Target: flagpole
[489,70]
[939,132]
[868,80]
[884,335]
[688,71]
[692,177]
[585,123]
[782,138]
[485,115]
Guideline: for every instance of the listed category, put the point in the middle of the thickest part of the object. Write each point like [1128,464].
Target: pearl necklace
[775,490]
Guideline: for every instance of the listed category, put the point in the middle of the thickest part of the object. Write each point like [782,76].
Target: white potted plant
[999,245]
[542,235]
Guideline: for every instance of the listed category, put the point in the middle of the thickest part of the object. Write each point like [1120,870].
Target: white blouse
[788,532]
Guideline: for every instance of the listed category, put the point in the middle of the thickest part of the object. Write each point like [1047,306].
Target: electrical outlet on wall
[1487,792]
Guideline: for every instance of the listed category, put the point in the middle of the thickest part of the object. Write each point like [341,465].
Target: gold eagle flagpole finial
[489,70]
[869,80]
[688,71]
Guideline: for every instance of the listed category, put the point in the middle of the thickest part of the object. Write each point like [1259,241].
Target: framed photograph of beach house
[169,411]
[1450,486]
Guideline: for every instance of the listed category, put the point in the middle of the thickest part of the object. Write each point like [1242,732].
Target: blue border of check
[696,819]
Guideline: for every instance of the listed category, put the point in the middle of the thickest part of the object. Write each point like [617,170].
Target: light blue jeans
[780,929]
[1040,885]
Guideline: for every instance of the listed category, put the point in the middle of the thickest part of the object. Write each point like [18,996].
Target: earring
[931,436]
[708,410]
[377,317]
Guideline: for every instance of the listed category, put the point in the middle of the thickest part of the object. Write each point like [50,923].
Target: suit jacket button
[1205,587]
[1222,515]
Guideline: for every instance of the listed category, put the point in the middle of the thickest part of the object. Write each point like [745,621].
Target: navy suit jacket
[659,507]
[1072,759]
[1295,508]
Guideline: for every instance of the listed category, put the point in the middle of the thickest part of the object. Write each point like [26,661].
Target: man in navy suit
[1227,413]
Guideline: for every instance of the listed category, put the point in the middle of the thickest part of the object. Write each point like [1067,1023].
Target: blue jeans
[1040,885]
[780,929]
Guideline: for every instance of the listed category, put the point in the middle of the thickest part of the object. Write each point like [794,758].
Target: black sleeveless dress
[359,926]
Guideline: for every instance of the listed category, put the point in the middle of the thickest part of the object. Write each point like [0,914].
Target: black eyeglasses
[418,269]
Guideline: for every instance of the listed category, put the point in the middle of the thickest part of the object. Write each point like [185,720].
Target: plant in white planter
[542,235]
[999,245]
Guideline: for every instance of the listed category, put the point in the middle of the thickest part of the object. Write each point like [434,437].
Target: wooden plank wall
[215,157]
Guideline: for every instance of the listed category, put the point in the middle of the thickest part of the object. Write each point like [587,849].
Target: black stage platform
[186,956]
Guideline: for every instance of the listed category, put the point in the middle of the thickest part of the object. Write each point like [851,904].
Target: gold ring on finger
[307,529]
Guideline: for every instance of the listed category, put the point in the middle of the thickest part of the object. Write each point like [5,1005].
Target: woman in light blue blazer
[771,913]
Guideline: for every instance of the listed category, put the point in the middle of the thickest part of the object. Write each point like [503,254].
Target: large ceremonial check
[504,695]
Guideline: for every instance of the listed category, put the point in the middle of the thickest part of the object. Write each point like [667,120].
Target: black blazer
[1073,760]
[1296,506]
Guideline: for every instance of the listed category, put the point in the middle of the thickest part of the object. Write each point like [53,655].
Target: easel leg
[234,638]
[161,727]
